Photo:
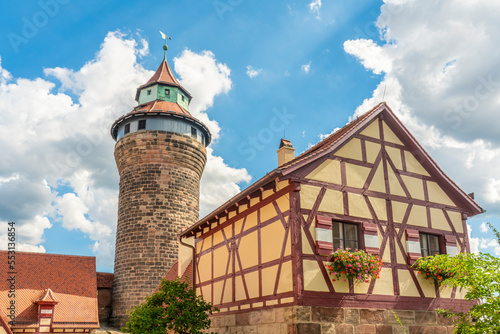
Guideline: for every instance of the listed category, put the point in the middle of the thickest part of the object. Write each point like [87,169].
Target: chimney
[286,152]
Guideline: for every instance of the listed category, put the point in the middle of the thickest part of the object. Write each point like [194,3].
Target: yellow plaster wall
[283,203]
[357,206]
[313,278]
[378,181]
[218,238]
[308,195]
[251,221]
[437,195]
[252,280]
[356,175]
[372,150]
[272,241]
[285,283]
[418,216]
[247,250]
[394,184]
[398,211]
[328,171]
[395,156]
[228,291]
[390,136]
[341,286]
[207,292]
[306,247]
[267,212]
[456,219]
[269,280]
[352,150]
[239,288]
[412,165]
[438,220]
[372,130]
[426,285]
[361,287]
[205,267]
[217,292]
[222,255]
[415,186]
[383,285]
[332,202]
[406,285]
[380,207]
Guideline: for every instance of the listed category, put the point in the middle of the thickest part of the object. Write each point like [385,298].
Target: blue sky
[69,68]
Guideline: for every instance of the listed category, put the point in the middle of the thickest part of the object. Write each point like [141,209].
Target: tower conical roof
[163,75]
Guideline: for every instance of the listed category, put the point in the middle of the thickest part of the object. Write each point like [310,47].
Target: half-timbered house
[260,257]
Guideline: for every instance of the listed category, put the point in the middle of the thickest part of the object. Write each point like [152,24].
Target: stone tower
[160,155]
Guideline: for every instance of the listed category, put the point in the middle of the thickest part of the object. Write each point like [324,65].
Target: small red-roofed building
[48,293]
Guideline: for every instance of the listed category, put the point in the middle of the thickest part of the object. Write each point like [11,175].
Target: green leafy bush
[479,275]
[357,265]
[175,307]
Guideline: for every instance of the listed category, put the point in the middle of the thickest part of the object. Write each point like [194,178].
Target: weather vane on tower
[165,47]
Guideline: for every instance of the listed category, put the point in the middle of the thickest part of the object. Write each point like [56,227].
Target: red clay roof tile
[72,280]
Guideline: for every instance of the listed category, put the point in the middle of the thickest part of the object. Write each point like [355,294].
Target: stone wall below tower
[331,320]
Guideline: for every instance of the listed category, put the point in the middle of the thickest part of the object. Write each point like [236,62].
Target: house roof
[173,273]
[334,142]
[4,323]
[69,280]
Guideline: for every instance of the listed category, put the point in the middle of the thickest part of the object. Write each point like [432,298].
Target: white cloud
[378,61]
[473,242]
[61,164]
[251,72]
[204,78]
[441,77]
[219,183]
[483,228]
[322,136]
[306,67]
[489,246]
[315,7]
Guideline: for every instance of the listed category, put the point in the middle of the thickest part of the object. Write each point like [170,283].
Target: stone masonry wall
[159,195]
[331,320]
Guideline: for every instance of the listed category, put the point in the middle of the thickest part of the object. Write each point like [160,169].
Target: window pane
[352,244]
[142,124]
[337,243]
[433,244]
[351,232]
[127,128]
[337,230]
[424,248]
